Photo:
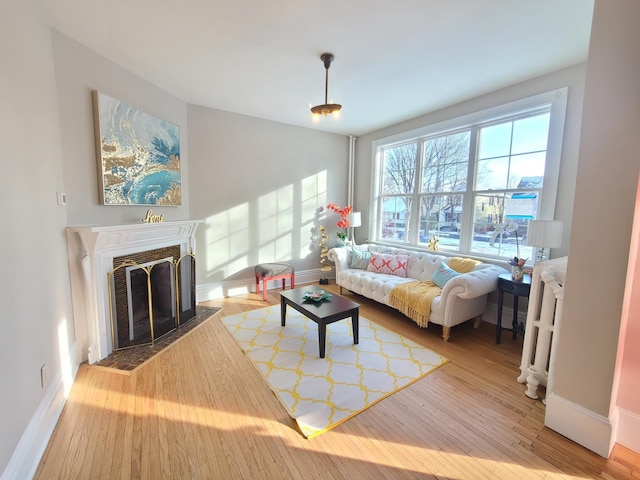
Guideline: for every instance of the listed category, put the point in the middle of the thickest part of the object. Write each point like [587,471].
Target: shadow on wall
[278,226]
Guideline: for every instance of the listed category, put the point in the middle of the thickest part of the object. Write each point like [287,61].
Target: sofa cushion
[359,258]
[443,274]
[462,264]
[390,264]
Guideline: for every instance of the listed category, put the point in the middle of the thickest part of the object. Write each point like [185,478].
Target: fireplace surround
[93,251]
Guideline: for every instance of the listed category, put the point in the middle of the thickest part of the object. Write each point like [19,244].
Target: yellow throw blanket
[414,298]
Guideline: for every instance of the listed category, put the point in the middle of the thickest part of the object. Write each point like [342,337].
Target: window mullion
[416,194]
[375,227]
[468,201]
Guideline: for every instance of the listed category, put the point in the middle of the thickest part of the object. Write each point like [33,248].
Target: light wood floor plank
[78,459]
[125,424]
[201,410]
[107,434]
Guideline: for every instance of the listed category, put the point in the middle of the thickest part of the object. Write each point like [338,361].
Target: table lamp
[544,235]
[355,220]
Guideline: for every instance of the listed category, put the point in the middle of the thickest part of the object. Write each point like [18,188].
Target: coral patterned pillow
[391,264]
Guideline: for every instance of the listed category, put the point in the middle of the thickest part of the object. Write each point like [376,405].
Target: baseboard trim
[628,429]
[589,429]
[491,315]
[228,288]
[28,453]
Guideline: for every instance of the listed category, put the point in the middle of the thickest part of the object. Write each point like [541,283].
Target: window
[474,182]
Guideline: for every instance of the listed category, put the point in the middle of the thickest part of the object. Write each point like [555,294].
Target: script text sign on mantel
[151,218]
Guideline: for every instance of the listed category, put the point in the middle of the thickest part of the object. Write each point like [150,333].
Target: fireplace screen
[149,299]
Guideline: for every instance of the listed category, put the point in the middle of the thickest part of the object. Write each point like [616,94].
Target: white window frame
[557,102]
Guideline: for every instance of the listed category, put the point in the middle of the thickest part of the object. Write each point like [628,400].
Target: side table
[521,288]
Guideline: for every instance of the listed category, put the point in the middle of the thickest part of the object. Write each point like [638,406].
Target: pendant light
[326,108]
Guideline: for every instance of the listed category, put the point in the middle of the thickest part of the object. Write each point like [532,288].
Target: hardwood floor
[201,410]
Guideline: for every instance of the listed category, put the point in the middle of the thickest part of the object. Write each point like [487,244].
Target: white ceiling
[394,60]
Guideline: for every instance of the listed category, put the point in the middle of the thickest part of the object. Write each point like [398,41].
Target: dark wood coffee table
[323,313]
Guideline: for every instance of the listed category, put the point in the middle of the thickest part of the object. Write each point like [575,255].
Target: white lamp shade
[544,233]
[355,219]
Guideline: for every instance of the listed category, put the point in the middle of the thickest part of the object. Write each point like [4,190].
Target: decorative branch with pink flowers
[343,223]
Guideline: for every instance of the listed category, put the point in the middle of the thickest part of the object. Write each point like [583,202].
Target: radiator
[543,314]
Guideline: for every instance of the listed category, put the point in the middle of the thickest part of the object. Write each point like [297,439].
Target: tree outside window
[490,176]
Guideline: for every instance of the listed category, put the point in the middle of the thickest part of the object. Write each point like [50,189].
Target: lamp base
[324,281]
[542,254]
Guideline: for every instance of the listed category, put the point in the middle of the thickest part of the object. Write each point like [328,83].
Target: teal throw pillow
[443,274]
[359,258]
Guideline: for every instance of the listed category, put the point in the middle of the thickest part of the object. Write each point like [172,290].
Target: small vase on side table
[517,273]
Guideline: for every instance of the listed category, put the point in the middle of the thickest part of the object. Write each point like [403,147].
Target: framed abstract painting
[138,155]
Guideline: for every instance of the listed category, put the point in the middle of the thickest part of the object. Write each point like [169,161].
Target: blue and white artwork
[138,155]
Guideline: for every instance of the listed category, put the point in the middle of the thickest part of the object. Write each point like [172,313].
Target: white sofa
[464,297]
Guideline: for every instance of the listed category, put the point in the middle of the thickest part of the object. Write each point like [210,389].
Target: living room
[234,165]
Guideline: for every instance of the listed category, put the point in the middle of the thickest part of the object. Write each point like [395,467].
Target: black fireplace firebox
[151,294]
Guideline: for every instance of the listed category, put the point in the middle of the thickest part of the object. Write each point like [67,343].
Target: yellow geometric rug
[321,393]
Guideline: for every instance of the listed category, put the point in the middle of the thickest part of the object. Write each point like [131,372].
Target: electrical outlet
[43,375]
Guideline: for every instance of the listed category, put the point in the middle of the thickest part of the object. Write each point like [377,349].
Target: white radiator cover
[544,313]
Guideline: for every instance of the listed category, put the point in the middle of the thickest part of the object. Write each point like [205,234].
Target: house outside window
[474,182]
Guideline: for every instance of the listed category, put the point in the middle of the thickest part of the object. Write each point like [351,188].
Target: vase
[341,242]
[517,273]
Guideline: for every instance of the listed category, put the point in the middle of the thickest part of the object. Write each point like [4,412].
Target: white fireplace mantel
[91,253]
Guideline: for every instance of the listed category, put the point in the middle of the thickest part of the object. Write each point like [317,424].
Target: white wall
[262,189]
[78,72]
[34,285]
[609,164]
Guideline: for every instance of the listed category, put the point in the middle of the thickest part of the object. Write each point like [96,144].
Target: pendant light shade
[326,108]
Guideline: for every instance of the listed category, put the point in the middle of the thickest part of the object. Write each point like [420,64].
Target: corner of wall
[583,426]
[627,429]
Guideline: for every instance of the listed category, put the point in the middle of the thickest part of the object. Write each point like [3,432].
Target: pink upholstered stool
[273,271]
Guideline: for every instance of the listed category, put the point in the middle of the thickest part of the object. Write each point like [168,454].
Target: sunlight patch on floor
[439,462]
